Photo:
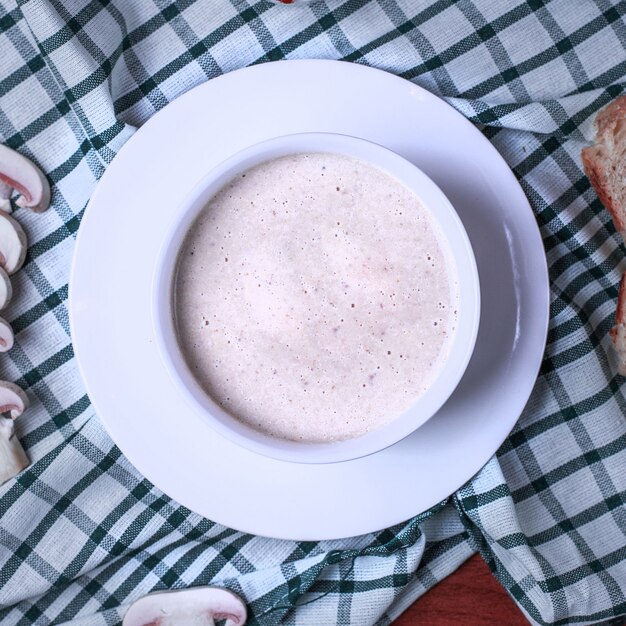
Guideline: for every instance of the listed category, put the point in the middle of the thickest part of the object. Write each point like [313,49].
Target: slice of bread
[605,162]
[618,332]
[605,166]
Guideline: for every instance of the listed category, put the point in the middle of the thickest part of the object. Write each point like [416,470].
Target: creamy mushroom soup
[312,299]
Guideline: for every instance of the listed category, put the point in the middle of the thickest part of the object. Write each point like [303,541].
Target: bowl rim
[458,251]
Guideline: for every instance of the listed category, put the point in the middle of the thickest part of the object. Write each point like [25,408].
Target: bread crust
[620,312]
[618,332]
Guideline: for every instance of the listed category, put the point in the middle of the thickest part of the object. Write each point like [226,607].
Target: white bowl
[460,261]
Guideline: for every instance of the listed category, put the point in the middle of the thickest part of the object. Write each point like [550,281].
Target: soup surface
[312,299]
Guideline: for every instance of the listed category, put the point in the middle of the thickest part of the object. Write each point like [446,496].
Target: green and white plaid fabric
[82,534]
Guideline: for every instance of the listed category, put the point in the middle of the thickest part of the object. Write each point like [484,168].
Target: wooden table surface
[471,596]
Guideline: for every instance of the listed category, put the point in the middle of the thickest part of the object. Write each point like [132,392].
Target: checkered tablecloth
[82,534]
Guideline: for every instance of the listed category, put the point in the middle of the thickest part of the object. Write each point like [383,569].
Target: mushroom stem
[13,459]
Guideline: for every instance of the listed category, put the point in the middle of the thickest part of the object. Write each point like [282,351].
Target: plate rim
[146,128]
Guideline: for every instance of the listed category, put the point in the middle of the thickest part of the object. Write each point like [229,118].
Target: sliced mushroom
[13,400]
[199,606]
[12,244]
[6,289]
[13,459]
[6,336]
[19,173]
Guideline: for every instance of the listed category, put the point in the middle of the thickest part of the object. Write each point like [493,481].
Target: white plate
[113,270]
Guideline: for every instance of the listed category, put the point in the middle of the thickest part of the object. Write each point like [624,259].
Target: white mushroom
[6,336]
[13,459]
[13,400]
[6,289]
[12,244]
[19,173]
[199,606]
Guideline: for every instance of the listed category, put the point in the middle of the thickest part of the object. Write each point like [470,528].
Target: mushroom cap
[195,606]
[20,173]
[12,244]
[6,289]
[13,400]
[6,335]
